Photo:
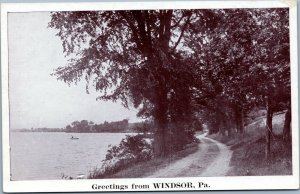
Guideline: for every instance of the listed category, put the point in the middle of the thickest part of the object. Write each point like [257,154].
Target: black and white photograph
[149,97]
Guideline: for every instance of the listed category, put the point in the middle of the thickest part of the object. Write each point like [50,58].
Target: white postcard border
[215,183]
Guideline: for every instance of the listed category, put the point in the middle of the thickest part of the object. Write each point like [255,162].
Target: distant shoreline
[69,132]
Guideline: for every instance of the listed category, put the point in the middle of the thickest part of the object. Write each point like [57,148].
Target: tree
[226,46]
[246,63]
[173,63]
[143,127]
[84,126]
[287,126]
[68,128]
[272,59]
[128,55]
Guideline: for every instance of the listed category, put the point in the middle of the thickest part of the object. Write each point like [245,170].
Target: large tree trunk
[229,127]
[160,134]
[239,119]
[242,121]
[219,123]
[268,128]
[159,146]
[161,122]
[287,127]
[237,122]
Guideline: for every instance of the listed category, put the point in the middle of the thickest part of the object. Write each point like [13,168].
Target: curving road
[211,159]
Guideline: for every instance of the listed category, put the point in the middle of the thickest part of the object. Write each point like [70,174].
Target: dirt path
[211,159]
[220,165]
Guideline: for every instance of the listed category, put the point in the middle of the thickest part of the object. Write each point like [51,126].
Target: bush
[180,135]
[131,150]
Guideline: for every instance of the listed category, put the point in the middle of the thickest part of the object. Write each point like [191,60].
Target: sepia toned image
[150,93]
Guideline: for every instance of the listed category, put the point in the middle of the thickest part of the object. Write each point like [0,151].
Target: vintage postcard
[149,96]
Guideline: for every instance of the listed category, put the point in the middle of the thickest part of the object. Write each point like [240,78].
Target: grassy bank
[248,150]
[144,169]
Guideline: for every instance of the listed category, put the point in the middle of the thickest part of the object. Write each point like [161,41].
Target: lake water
[49,155]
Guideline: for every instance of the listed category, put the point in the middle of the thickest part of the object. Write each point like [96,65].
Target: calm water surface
[49,155]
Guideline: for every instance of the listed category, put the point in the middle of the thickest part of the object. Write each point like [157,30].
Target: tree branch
[182,32]
[176,24]
[133,29]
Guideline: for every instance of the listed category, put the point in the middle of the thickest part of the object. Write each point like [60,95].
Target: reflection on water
[44,156]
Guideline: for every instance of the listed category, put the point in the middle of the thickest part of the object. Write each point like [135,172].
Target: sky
[38,99]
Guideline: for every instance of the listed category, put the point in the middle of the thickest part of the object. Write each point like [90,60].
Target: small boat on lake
[81,176]
[74,138]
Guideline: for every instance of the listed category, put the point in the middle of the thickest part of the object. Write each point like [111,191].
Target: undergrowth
[249,150]
[249,159]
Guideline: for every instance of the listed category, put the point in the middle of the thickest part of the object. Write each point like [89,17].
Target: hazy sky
[38,99]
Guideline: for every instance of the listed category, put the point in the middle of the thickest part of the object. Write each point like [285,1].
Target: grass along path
[145,169]
[208,158]
[248,150]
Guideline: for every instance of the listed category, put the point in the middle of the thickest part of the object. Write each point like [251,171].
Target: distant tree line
[85,126]
[42,129]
